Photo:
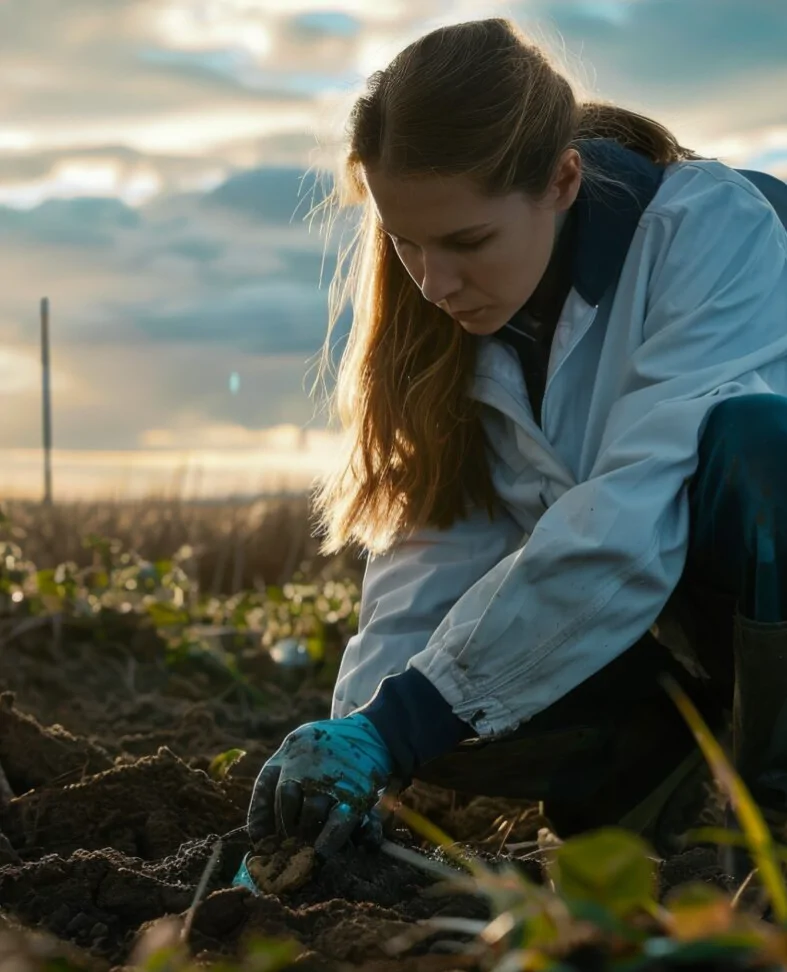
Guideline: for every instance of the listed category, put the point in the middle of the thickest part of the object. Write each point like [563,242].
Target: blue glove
[324,779]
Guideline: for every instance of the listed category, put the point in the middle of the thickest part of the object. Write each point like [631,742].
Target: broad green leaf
[166,615]
[221,765]
[610,867]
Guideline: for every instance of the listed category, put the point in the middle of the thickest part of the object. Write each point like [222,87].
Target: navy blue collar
[607,216]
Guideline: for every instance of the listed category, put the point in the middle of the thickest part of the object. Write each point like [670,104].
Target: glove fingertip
[337,831]
[372,831]
[261,817]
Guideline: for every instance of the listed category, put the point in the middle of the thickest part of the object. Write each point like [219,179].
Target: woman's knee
[738,503]
[743,450]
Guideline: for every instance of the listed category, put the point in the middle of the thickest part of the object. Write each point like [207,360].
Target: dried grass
[237,545]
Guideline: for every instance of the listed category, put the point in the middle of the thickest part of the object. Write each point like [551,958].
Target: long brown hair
[476,99]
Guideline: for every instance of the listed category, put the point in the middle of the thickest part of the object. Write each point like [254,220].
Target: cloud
[76,222]
[20,373]
[275,194]
[271,317]
[232,268]
[701,59]
[321,24]
[175,95]
[153,166]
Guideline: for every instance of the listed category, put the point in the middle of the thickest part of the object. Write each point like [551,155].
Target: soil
[109,820]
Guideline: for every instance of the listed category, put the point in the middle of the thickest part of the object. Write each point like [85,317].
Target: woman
[564,398]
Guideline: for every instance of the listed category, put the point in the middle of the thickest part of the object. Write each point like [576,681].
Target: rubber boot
[759,726]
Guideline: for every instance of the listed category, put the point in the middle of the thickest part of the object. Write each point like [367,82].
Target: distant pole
[46,401]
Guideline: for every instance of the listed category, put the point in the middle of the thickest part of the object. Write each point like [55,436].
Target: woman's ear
[565,183]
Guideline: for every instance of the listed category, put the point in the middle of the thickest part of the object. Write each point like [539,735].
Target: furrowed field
[152,656]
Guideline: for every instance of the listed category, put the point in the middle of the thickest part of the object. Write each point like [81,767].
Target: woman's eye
[471,244]
[463,245]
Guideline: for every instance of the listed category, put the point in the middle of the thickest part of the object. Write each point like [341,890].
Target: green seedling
[220,765]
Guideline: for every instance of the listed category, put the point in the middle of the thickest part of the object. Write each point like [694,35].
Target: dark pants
[598,751]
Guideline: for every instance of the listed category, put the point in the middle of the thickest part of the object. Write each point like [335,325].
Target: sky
[156,160]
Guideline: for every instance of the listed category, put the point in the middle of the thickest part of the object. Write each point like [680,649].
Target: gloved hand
[322,781]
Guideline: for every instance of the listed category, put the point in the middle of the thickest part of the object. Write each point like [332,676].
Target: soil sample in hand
[281,866]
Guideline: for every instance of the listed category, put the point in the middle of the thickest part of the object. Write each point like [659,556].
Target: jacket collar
[607,216]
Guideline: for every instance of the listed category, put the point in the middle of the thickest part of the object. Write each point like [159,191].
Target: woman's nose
[439,279]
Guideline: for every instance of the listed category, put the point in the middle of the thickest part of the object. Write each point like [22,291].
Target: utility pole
[46,389]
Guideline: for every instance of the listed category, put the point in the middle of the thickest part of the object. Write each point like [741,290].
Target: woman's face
[478,257]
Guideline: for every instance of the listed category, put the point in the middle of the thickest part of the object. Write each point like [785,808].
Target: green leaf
[726,948]
[46,582]
[270,955]
[609,867]
[167,615]
[698,911]
[696,894]
[164,959]
[221,765]
[315,646]
[604,919]
[100,580]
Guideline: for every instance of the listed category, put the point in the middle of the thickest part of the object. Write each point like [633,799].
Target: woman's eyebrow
[448,238]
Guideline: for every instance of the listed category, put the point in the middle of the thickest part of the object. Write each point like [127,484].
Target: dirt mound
[33,755]
[146,808]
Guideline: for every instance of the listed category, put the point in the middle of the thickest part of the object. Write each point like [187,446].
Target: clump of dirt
[695,864]
[33,755]
[146,808]
[282,868]
[92,898]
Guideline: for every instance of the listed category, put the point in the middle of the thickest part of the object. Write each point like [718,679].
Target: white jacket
[505,617]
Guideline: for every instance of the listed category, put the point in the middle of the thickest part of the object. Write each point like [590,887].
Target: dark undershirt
[539,316]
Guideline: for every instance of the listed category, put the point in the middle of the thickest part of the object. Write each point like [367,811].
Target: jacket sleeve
[407,592]
[604,558]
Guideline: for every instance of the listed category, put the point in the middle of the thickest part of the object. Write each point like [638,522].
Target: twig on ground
[742,889]
[203,883]
[6,793]
[415,859]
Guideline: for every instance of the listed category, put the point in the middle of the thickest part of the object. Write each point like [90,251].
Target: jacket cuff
[414,720]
